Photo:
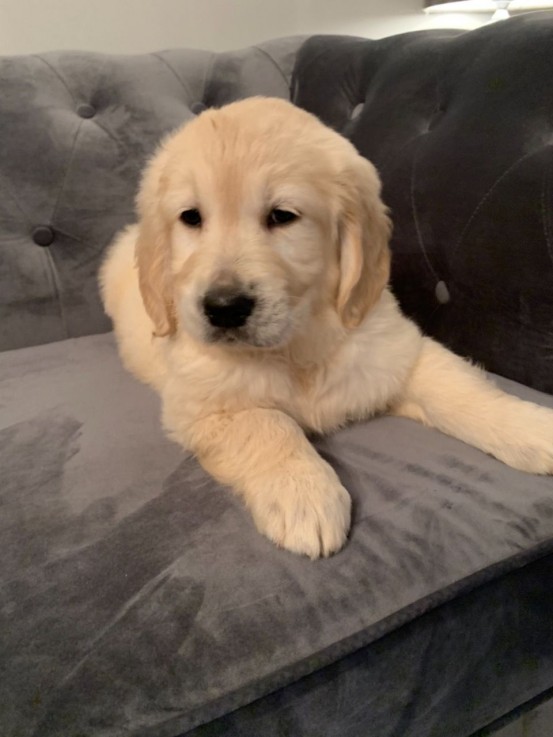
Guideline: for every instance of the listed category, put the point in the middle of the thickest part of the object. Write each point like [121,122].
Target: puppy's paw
[528,440]
[307,513]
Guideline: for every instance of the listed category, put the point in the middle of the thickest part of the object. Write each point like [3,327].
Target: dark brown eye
[280,217]
[192,218]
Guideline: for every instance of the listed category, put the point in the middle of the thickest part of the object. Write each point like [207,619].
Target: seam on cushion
[275,64]
[412,188]
[93,254]
[518,712]
[160,58]
[547,219]
[56,74]
[325,52]
[394,155]
[479,206]
[50,257]
[209,67]
[91,244]
[108,133]
[57,289]
[415,214]
[4,188]
[67,168]
[207,76]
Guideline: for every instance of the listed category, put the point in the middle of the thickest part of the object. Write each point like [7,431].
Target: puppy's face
[251,219]
[249,238]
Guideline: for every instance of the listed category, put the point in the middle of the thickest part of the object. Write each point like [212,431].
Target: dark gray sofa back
[460,126]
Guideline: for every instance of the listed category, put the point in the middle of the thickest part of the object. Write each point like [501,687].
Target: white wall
[377,18]
[133,26]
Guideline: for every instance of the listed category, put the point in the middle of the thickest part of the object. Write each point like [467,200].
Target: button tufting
[198,107]
[43,235]
[86,111]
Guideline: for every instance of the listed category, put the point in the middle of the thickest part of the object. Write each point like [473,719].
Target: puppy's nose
[224,307]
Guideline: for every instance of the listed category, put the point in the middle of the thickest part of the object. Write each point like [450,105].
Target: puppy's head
[253,217]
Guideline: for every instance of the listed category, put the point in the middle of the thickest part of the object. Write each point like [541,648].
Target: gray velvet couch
[136,598]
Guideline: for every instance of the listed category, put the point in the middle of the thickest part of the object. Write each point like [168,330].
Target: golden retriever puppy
[252,295]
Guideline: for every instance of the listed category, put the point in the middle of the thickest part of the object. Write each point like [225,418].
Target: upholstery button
[198,107]
[86,111]
[442,293]
[43,235]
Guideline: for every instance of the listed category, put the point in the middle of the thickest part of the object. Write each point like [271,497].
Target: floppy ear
[153,252]
[365,231]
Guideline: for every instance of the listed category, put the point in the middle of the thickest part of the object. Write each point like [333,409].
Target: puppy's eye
[192,218]
[280,217]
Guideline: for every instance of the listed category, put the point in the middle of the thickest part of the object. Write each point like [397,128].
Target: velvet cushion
[137,597]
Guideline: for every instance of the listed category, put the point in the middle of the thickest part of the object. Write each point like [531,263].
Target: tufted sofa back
[460,126]
[75,132]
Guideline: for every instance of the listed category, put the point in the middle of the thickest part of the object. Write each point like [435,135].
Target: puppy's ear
[365,231]
[153,252]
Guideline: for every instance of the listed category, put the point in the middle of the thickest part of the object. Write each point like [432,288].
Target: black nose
[226,308]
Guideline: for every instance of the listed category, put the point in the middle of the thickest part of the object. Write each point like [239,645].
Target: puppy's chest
[319,397]
[338,392]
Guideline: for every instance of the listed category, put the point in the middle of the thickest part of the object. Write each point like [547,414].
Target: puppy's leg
[448,393]
[295,497]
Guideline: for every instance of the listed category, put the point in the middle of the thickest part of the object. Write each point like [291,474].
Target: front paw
[528,440]
[307,512]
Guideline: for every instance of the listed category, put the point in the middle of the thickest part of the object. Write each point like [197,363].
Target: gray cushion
[138,599]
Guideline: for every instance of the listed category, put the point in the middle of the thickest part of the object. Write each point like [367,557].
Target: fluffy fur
[326,342]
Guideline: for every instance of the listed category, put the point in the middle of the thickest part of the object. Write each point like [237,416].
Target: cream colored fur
[327,343]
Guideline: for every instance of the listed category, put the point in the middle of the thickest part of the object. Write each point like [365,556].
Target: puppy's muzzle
[225,307]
